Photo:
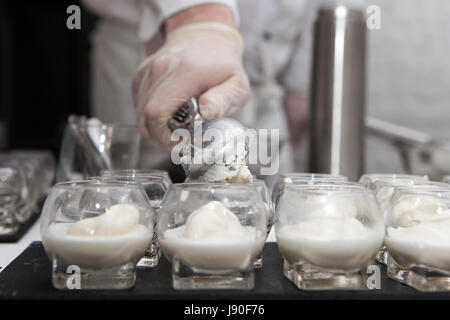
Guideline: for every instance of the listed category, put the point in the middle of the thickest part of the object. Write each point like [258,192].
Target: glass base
[420,278]
[382,255]
[309,277]
[185,278]
[258,262]
[151,257]
[71,277]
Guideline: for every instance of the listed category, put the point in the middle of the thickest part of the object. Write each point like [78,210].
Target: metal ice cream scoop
[223,141]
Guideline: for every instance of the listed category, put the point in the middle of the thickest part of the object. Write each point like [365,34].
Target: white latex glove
[202,60]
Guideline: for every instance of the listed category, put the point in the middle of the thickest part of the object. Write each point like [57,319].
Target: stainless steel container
[337,93]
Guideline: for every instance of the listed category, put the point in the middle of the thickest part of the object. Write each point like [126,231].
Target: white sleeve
[154,12]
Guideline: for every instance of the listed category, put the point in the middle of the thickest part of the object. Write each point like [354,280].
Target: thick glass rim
[213,185]
[138,180]
[350,187]
[422,190]
[414,184]
[254,182]
[132,172]
[80,184]
[311,175]
[371,176]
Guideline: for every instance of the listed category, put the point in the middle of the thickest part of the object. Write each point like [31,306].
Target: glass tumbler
[211,234]
[95,232]
[303,178]
[328,235]
[89,147]
[418,237]
[29,188]
[45,163]
[155,185]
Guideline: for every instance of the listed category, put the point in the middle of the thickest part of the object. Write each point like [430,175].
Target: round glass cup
[418,237]
[368,179]
[328,235]
[155,185]
[384,188]
[95,232]
[262,189]
[302,178]
[212,233]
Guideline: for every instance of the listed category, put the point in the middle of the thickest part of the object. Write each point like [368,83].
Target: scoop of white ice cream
[436,232]
[411,210]
[119,219]
[213,221]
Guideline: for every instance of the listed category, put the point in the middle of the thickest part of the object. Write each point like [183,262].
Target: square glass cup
[328,235]
[211,234]
[95,232]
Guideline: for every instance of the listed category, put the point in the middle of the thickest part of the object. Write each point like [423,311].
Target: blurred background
[44,73]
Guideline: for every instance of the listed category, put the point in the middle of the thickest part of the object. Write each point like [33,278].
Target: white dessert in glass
[99,228]
[384,186]
[418,238]
[211,233]
[327,235]
[155,183]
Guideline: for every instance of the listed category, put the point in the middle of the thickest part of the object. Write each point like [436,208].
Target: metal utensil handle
[186,115]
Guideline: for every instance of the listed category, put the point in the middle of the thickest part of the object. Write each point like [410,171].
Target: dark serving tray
[28,277]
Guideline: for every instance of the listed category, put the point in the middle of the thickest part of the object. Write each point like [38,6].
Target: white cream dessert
[111,239]
[421,232]
[411,210]
[213,239]
[338,244]
[333,238]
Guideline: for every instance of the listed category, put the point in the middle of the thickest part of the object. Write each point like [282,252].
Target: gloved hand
[202,60]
